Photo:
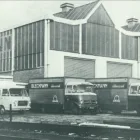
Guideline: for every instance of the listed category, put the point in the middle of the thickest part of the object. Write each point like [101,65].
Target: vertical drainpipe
[120,44]
[80,39]
[46,47]
[13,51]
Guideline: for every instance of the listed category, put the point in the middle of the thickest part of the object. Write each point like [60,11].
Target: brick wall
[24,76]
[5,74]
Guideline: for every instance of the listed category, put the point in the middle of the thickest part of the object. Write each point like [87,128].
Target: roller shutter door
[119,70]
[83,68]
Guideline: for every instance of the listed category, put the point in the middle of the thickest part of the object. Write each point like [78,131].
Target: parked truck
[117,94]
[15,95]
[62,94]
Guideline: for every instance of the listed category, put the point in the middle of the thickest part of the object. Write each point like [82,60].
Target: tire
[76,110]
[21,112]
[2,110]
[94,112]
[43,110]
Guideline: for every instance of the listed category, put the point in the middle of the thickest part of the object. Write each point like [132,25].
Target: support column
[80,39]
[13,51]
[120,44]
[46,48]
[138,63]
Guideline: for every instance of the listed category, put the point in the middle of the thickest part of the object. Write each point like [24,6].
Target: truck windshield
[133,90]
[79,88]
[18,92]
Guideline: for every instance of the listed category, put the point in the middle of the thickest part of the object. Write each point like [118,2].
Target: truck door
[133,98]
[5,99]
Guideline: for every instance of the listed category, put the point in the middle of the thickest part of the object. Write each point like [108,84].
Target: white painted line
[104,125]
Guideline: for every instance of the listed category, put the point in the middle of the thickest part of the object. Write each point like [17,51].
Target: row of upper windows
[29,39]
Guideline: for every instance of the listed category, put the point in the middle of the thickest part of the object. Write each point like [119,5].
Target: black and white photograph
[70,70]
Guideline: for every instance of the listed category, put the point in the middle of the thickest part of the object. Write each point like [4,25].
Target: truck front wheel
[2,110]
[138,112]
[76,110]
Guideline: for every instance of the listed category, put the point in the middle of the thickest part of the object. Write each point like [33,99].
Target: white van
[14,94]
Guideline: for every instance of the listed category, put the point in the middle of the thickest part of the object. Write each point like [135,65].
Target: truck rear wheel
[43,109]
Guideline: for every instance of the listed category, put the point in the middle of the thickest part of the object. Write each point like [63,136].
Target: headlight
[81,101]
[29,103]
[15,103]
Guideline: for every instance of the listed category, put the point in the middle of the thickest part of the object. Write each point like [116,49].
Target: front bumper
[88,107]
[20,108]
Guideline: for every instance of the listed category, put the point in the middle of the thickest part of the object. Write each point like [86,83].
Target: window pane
[5,92]
[19,41]
[26,61]
[42,37]
[42,59]
[34,37]
[3,62]
[30,61]
[20,63]
[26,40]
[38,36]
[38,60]
[22,59]
[34,60]
[30,38]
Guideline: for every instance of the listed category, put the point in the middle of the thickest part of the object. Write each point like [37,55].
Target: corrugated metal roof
[78,12]
[135,28]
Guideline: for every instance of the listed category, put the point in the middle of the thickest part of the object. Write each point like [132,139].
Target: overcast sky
[16,12]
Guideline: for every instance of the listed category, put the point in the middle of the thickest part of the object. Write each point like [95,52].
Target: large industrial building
[76,42]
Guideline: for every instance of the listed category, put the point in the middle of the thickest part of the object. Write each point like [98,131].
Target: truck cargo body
[46,94]
[115,93]
[57,94]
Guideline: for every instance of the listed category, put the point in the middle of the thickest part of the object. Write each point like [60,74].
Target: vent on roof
[66,7]
[131,22]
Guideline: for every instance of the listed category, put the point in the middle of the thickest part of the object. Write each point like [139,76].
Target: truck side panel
[46,93]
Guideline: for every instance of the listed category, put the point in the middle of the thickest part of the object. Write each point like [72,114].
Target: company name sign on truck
[108,85]
[39,85]
[100,85]
[46,85]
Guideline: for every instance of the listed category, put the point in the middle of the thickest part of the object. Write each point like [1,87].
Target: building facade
[77,42]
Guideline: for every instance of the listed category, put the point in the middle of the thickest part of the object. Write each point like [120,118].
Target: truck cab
[15,95]
[134,97]
[79,97]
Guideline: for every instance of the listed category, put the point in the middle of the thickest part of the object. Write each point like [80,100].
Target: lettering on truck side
[100,85]
[39,85]
[118,86]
